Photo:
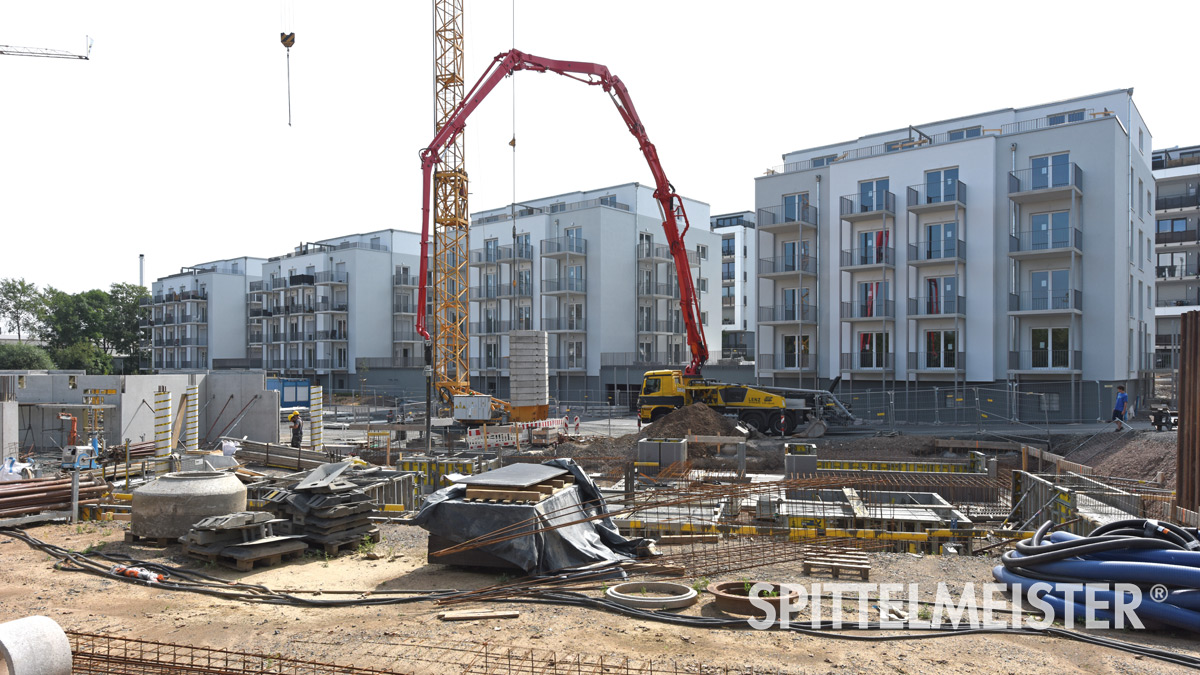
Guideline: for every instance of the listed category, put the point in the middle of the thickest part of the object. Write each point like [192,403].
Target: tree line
[76,331]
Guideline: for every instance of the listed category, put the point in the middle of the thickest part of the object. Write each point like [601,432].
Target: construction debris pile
[329,509]
[239,540]
[693,420]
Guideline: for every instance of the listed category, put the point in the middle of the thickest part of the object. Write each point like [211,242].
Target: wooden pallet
[837,565]
[245,558]
[335,548]
[157,542]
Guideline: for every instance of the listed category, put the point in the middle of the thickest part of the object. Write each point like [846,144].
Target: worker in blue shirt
[1119,408]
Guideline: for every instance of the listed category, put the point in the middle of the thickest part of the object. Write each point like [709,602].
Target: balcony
[261,313]
[1174,272]
[944,361]
[953,307]
[1068,301]
[869,361]
[564,325]
[1176,302]
[145,322]
[565,285]
[277,336]
[1044,184]
[877,310]
[938,251]
[1166,360]
[404,306]
[328,364]
[490,363]
[331,277]
[1177,237]
[145,302]
[922,199]
[657,253]
[1032,243]
[787,265]
[301,280]
[236,364]
[258,287]
[864,258]
[192,341]
[484,256]
[167,319]
[564,246]
[787,361]
[641,359]
[858,207]
[390,362]
[199,317]
[786,218]
[484,292]
[255,338]
[406,336]
[657,290]
[403,279]
[332,336]
[562,363]
[1045,361]
[667,327]
[517,290]
[517,253]
[299,336]
[728,301]
[191,365]
[326,305]
[490,327]
[787,314]
[737,354]
[1177,202]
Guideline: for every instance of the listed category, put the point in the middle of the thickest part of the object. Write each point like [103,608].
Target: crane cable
[288,38]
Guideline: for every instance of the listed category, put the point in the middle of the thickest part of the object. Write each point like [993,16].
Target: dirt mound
[693,420]
[1143,455]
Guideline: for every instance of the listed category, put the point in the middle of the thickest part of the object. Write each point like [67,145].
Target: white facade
[197,318]
[593,269]
[1005,246]
[739,284]
[1177,255]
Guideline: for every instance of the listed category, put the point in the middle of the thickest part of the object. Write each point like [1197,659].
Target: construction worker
[297,429]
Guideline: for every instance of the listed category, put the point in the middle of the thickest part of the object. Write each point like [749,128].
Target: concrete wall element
[249,408]
[10,440]
[528,368]
[316,418]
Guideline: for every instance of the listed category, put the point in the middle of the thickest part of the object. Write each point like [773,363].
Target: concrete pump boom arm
[672,206]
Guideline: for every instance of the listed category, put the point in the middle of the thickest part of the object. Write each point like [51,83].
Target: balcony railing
[852,205]
[564,324]
[806,264]
[331,277]
[258,287]
[329,364]
[554,208]
[406,336]
[334,335]
[858,257]
[1045,178]
[236,364]
[660,326]
[260,313]
[192,342]
[490,327]
[1043,301]
[1177,237]
[255,338]
[939,249]
[490,363]
[404,306]
[770,216]
[564,245]
[484,292]
[1183,271]
[786,361]
[667,290]
[920,195]
[643,358]
[193,295]
[728,301]
[564,285]
[739,353]
[517,252]
[326,305]
[1045,359]
[936,306]
[1176,302]
[805,312]
[301,280]
[877,309]
[199,317]
[517,290]
[373,363]
[485,256]
[1177,202]
[1166,360]
[406,280]
[653,252]
[868,360]
[1045,240]
[943,360]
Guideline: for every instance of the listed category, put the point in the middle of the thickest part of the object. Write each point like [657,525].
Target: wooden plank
[501,495]
[684,539]
[472,615]
[178,426]
[544,489]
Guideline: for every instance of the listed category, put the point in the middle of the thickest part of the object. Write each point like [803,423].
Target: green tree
[20,303]
[24,357]
[70,319]
[120,332]
[83,356]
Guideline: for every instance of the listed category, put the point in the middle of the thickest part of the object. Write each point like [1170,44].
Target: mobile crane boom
[670,203]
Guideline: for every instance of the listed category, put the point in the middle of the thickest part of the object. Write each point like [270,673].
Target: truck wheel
[756,420]
[658,414]
[785,423]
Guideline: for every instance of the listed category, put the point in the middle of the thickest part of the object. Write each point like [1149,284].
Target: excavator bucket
[288,39]
[815,429]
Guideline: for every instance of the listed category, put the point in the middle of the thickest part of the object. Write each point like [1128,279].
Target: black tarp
[448,516]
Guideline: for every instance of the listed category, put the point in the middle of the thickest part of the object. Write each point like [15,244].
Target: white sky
[173,139]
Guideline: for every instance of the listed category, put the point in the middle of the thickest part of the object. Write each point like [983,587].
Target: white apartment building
[1011,246]
[1177,255]
[739,285]
[196,319]
[593,269]
[330,306]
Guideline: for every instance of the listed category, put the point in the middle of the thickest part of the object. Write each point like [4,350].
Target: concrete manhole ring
[667,595]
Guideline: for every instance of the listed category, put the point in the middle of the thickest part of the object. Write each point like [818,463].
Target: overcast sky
[173,139]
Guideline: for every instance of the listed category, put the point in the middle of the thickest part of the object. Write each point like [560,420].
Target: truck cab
[662,392]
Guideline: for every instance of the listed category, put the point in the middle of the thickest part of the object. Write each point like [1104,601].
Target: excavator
[768,409]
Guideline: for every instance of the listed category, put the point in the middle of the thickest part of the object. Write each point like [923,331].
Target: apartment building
[593,269]
[1007,247]
[1177,255]
[331,306]
[196,319]
[739,285]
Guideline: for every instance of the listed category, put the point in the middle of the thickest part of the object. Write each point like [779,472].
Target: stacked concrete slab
[529,375]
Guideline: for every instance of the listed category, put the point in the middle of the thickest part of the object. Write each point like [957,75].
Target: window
[794,207]
[652,385]
[892,146]
[1172,225]
[1064,117]
[872,350]
[702,251]
[872,248]
[728,271]
[704,318]
[702,284]
[1051,289]
[491,250]
[727,221]
[941,241]
[728,247]
[1141,140]
[1050,347]
[608,200]
[872,298]
[1141,203]
[1149,202]
[941,347]
[727,292]
[941,186]
[1051,171]
[558,207]
[972,132]
[645,319]
[823,161]
[575,354]
[524,317]
[795,350]
[1050,230]
[575,316]
[791,256]
[941,296]
[872,195]
[1141,250]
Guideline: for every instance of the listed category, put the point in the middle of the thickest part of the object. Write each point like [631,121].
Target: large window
[872,298]
[728,270]
[941,295]
[941,186]
[795,349]
[1051,289]
[872,195]
[872,247]
[575,354]
[959,134]
[872,350]
[793,206]
[1050,230]
[791,303]
[941,347]
[823,161]
[575,316]
[941,240]
[1051,347]
[524,318]
[1064,117]
[728,246]
[1172,225]
[1051,171]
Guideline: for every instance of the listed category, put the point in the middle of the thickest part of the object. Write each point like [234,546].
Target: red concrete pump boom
[672,206]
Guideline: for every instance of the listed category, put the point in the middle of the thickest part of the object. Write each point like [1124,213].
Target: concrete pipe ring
[35,645]
[667,595]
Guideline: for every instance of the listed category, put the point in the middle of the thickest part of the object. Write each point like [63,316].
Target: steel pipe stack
[23,497]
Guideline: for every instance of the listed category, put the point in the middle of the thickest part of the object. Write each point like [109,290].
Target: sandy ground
[374,636]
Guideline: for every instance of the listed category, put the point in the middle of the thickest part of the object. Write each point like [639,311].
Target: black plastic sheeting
[537,553]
